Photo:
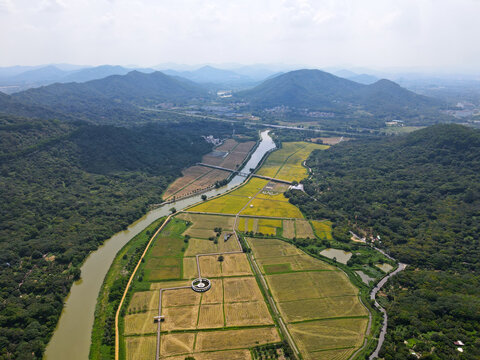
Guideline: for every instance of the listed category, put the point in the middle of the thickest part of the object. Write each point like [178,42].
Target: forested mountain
[9,105]
[113,99]
[65,188]
[319,90]
[421,194]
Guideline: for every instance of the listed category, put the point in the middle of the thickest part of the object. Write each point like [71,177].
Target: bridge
[246,174]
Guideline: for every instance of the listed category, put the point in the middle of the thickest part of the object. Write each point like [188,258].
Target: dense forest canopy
[65,188]
[421,194]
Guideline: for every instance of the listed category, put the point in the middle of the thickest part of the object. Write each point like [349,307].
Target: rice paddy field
[227,320]
[323,229]
[286,163]
[318,302]
[194,179]
[230,154]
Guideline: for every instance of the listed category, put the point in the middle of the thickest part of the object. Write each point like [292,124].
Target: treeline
[76,186]
[421,194]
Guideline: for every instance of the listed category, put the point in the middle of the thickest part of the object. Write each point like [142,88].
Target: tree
[220,258]
[204,197]
[173,210]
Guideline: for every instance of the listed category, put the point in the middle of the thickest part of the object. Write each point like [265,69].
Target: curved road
[373,294]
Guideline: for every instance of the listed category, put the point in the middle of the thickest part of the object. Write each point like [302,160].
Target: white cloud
[439,33]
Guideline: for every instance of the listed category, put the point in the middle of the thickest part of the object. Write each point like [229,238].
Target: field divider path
[159,322]
[117,335]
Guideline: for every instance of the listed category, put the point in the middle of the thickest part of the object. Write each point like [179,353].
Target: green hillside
[421,193]
[322,91]
[113,99]
[65,188]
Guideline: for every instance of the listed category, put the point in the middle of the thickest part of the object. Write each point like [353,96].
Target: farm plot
[174,344]
[142,301]
[214,158]
[227,145]
[323,229]
[233,202]
[269,226]
[319,303]
[247,314]
[140,347]
[318,336]
[235,339]
[201,246]
[274,191]
[286,163]
[288,229]
[226,204]
[232,265]
[189,175]
[206,181]
[272,208]
[219,355]
[303,229]
[164,259]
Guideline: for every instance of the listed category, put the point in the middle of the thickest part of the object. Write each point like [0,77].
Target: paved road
[373,295]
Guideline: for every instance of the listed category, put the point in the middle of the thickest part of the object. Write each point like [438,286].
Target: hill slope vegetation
[113,99]
[421,194]
[65,188]
[319,90]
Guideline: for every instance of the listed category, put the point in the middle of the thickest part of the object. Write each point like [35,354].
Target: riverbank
[103,333]
[72,337]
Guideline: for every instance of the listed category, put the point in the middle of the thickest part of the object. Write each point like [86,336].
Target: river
[71,339]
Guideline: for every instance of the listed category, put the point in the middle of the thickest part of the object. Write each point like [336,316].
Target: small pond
[340,255]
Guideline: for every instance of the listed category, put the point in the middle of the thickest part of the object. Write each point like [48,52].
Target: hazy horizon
[383,35]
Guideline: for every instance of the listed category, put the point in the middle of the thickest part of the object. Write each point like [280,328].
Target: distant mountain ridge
[319,90]
[209,74]
[113,97]
[26,77]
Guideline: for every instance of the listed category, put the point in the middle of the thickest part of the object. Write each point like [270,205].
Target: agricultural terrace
[194,179]
[286,163]
[318,303]
[224,322]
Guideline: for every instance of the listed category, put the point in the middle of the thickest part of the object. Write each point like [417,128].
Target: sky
[435,34]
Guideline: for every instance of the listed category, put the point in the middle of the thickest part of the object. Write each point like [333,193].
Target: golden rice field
[318,303]
[272,208]
[317,336]
[286,163]
[140,347]
[226,204]
[323,229]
